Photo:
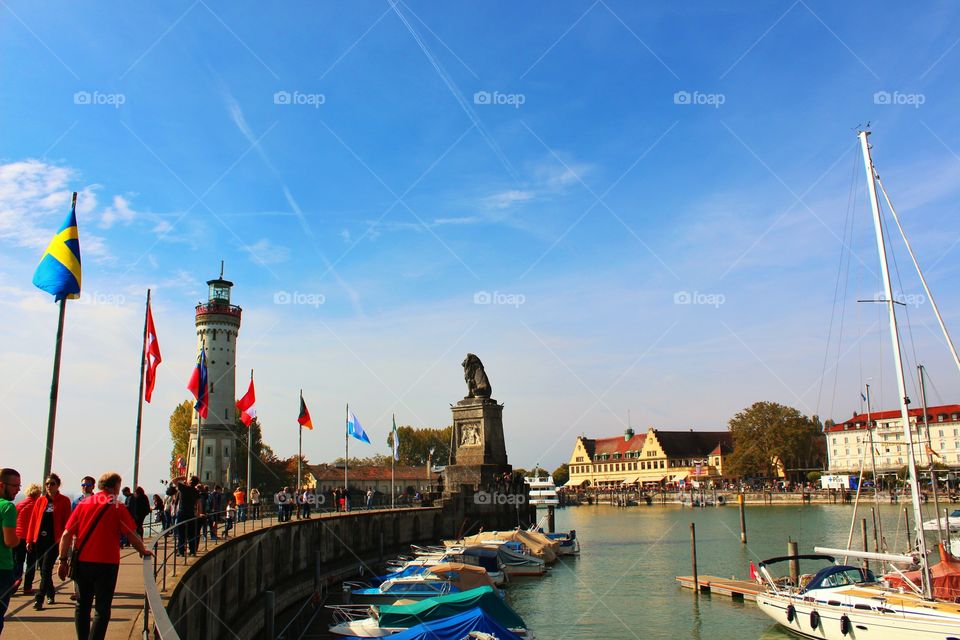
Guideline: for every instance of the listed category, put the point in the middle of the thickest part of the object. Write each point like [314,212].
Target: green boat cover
[405,616]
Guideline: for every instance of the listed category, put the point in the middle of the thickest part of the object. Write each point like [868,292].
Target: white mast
[898,363]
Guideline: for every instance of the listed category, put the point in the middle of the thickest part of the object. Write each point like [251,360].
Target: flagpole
[143,363]
[346,452]
[203,348]
[299,450]
[393,460]
[249,451]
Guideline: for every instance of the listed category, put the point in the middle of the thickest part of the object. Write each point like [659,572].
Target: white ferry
[542,490]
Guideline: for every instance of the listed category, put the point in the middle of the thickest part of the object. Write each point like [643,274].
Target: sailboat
[842,601]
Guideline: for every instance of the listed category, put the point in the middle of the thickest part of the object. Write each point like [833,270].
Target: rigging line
[936,392]
[843,312]
[836,286]
[923,280]
[885,227]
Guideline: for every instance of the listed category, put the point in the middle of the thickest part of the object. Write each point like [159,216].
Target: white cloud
[264,252]
[506,199]
[119,211]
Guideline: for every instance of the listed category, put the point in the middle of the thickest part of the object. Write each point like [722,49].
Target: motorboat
[480,556]
[952,520]
[384,620]
[437,580]
[543,491]
[474,624]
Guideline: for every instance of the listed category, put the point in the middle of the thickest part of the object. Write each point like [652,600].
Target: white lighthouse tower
[218,323]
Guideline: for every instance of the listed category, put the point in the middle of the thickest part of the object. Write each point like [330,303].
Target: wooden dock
[736,589]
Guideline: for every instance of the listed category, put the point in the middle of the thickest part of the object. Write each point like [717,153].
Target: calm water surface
[622,584]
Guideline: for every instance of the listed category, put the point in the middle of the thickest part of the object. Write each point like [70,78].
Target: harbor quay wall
[751,498]
[221,595]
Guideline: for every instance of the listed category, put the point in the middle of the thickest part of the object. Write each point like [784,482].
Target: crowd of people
[44,532]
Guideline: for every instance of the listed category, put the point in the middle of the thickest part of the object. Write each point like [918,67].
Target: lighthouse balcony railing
[218,307]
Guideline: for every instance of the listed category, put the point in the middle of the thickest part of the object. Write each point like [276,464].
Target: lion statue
[478,386]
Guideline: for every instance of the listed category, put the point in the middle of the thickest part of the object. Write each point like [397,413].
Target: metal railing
[165,559]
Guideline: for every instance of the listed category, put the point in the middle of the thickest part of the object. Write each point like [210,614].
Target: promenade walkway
[126,621]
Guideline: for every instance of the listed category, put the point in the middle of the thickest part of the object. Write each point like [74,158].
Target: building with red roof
[657,456]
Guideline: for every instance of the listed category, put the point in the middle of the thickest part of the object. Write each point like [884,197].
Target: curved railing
[218,307]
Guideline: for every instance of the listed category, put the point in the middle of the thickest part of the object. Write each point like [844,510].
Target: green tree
[377,460]
[561,474]
[766,433]
[415,445]
[180,429]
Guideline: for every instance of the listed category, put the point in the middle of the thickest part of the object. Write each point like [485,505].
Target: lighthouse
[213,441]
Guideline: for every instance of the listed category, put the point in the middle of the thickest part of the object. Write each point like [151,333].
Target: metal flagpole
[143,363]
[299,450]
[203,347]
[249,454]
[346,453]
[55,383]
[393,461]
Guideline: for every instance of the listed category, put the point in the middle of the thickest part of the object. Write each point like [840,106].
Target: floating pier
[736,589]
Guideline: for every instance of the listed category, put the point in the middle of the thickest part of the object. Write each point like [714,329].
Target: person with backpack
[91,533]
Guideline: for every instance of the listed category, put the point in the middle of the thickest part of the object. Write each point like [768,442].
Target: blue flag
[863,396]
[59,269]
[355,429]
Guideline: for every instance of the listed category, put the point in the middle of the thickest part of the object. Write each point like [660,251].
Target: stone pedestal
[478,455]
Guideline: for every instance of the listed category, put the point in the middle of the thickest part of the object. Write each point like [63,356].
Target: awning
[574,483]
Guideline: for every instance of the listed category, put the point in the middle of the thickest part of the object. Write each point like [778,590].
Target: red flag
[304,418]
[753,572]
[198,385]
[151,354]
[247,405]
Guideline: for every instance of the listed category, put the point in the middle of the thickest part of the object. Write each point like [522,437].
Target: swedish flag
[59,269]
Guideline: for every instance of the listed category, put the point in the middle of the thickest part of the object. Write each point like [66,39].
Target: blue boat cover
[410,615]
[457,627]
[376,581]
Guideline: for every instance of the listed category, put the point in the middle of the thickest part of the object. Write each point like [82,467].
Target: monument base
[481,477]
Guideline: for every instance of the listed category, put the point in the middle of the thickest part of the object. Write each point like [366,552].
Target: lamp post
[430,468]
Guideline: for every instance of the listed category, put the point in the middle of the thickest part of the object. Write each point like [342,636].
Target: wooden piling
[792,551]
[551,519]
[693,557]
[743,520]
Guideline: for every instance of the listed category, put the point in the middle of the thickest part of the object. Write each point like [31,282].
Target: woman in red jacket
[46,525]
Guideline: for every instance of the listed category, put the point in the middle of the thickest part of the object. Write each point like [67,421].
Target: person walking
[24,565]
[228,520]
[158,512]
[92,531]
[46,524]
[142,508]
[86,490]
[255,503]
[9,488]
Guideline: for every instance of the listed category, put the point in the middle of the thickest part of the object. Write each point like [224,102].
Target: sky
[635,214]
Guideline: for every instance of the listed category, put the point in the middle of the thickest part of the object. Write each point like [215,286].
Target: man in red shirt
[96,525]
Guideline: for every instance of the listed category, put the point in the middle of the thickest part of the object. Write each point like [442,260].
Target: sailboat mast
[929,449]
[898,363]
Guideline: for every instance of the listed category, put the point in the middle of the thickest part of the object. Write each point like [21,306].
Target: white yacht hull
[863,624]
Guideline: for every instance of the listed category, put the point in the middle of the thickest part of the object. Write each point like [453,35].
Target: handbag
[77,548]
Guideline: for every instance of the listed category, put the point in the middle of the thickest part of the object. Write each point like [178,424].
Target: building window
[226,452]
[209,451]
[211,386]
[941,417]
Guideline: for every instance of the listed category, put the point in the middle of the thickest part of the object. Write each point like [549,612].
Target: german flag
[304,418]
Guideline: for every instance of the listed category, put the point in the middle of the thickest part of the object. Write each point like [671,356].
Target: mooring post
[876,539]
[743,520]
[269,614]
[693,557]
[863,535]
[551,519]
[794,564]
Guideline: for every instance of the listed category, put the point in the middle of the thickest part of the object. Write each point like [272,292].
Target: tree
[766,433]
[376,460]
[180,429]
[561,474]
[415,445]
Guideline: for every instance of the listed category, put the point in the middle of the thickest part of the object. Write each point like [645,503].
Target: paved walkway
[126,620]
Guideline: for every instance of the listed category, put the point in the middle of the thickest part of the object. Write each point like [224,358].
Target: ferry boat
[543,491]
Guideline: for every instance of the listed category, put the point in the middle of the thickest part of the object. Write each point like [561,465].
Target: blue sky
[583,163]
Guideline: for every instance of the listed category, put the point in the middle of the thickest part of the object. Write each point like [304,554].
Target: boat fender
[844,625]
[814,620]
[791,613]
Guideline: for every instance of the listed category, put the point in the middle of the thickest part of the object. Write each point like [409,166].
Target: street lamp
[430,468]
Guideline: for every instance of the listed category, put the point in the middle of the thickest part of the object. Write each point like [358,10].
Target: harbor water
[623,583]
